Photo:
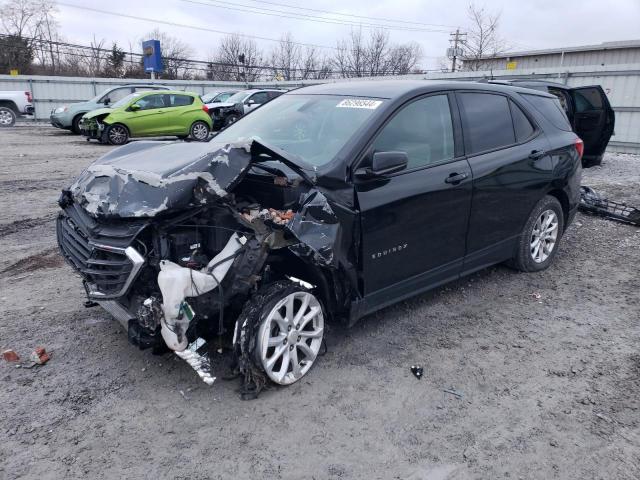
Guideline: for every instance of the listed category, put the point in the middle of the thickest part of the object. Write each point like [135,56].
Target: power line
[182,25]
[351,14]
[198,65]
[301,16]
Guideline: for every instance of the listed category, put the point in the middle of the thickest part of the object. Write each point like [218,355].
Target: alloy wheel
[290,337]
[117,134]
[200,131]
[544,236]
[6,118]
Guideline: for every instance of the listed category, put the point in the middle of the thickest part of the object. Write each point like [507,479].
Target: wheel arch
[11,105]
[563,198]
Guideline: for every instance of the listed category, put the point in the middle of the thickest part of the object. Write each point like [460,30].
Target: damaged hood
[221,105]
[143,179]
[98,112]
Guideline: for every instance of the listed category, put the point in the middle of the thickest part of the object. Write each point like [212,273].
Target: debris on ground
[535,295]
[417,371]
[10,356]
[594,203]
[452,392]
[39,356]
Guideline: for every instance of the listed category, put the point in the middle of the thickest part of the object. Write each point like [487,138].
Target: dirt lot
[549,387]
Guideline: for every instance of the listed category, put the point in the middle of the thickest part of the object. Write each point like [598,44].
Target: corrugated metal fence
[621,82]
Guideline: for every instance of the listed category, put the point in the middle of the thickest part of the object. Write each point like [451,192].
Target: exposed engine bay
[184,252]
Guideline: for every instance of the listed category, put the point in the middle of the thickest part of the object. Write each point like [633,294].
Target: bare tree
[314,65]
[286,58]
[483,40]
[227,63]
[376,56]
[176,55]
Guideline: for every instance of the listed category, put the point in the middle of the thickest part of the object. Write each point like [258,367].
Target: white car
[12,104]
[243,102]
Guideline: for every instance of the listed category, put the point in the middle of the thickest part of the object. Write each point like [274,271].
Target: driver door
[150,119]
[254,101]
[414,222]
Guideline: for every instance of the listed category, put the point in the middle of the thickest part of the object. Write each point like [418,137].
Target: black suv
[330,202]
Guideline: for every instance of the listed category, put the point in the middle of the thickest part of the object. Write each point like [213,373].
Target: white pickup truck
[12,104]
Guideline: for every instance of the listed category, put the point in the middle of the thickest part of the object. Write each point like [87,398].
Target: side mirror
[384,163]
[135,107]
[251,101]
[107,101]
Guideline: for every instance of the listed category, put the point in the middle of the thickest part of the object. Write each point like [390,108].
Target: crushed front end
[176,249]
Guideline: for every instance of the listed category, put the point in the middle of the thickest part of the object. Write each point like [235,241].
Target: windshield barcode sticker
[359,103]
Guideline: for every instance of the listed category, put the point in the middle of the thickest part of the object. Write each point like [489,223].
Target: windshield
[238,97]
[124,101]
[314,127]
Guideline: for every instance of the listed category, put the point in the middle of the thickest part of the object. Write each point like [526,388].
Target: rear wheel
[199,131]
[7,117]
[540,238]
[117,134]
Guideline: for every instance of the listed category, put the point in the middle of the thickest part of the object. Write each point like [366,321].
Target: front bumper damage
[113,207]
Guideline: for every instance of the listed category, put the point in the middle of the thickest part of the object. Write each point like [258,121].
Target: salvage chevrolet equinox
[328,203]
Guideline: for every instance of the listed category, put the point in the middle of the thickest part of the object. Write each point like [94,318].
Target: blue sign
[152,56]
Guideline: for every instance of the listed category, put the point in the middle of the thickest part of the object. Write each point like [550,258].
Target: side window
[259,98]
[521,124]
[273,95]
[180,100]
[587,99]
[551,109]
[117,94]
[486,120]
[151,101]
[423,129]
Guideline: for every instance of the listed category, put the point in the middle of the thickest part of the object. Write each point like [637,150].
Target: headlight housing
[61,109]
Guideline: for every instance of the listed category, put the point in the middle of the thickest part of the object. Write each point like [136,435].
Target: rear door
[511,170]
[179,113]
[593,118]
[414,222]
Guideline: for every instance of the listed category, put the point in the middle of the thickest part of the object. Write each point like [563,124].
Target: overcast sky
[531,24]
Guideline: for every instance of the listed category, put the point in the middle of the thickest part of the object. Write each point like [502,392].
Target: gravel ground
[548,387]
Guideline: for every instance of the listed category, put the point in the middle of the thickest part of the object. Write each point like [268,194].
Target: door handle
[537,154]
[455,178]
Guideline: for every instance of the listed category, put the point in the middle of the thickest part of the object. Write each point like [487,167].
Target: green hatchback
[149,114]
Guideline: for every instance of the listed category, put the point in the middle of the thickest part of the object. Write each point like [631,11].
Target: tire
[592,161]
[7,117]
[75,124]
[275,344]
[116,134]
[233,118]
[535,251]
[199,131]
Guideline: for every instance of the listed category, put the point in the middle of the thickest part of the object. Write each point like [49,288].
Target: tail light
[579,147]
[205,108]
[29,97]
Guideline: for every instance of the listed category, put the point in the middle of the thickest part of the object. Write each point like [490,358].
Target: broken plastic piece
[177,283]
[452,392]
[39,356]
[200,362]
[10,356]
[592,202]
[417,371]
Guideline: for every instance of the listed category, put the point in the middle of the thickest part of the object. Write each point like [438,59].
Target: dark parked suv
[330,202]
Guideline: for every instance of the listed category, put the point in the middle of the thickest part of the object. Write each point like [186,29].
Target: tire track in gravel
[24,224]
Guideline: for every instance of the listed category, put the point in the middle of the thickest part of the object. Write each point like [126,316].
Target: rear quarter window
[551,109]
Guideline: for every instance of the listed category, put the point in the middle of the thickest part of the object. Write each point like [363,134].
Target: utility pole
[457,40]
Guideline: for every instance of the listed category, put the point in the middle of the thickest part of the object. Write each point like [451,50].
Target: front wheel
[540,238]
[7,117]
[199,131]
[117,134]
[282,328]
